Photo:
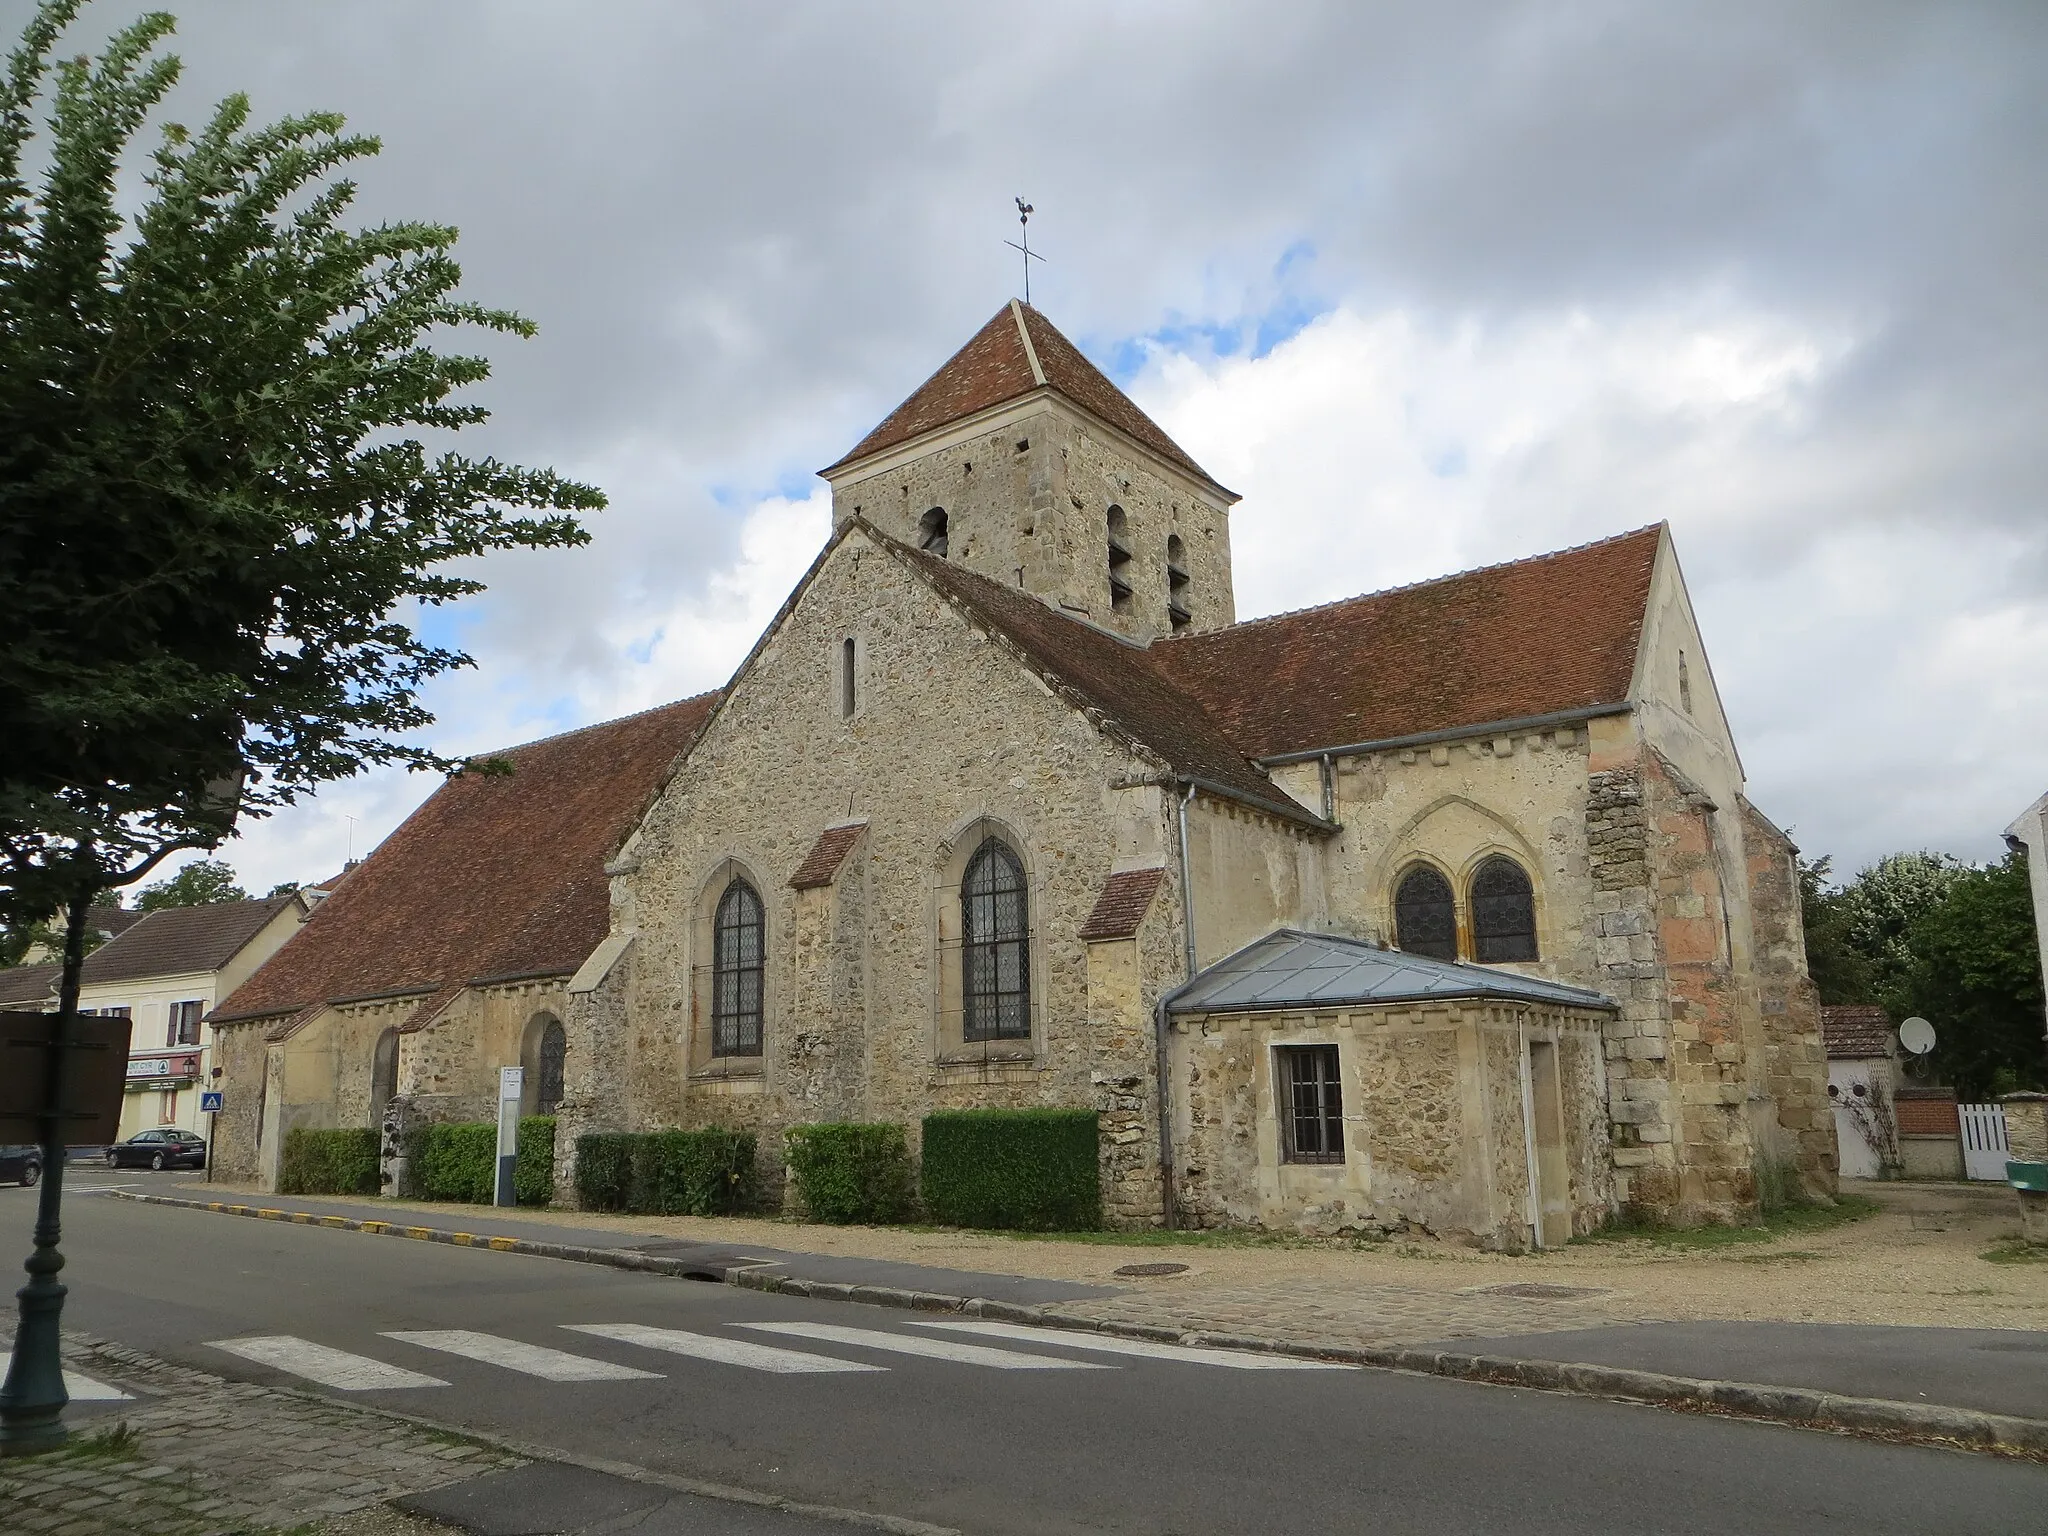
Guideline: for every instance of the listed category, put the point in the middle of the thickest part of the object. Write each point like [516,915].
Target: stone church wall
[1796,1060]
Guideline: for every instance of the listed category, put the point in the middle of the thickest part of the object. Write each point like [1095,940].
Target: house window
[554,1050]
[849,696]
[1312,1104]
[931,532]
[736,973]
[1426,914]
[995,947]
[167,1107]
[1119,561]
[1178,612]
[184,1028]
[1503,912]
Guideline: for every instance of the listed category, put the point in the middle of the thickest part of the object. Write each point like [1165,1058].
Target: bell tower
[1021,461]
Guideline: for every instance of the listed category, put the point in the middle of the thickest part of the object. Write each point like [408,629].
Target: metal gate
[1984,1143]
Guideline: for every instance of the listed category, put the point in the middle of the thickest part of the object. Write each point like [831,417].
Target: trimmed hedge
[1030,1169]
[533,1177]
[666,1173]
[340,1162]
[460,1162]
[851,1173]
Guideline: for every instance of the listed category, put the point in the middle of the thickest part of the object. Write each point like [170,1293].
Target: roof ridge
[595,725]
[1024,335]
[1410,586]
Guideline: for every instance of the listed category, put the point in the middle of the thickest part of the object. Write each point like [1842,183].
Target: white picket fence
[1984,1143]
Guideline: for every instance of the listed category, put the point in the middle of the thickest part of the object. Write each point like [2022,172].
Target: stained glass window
[1425,915]
[736,943]
[995,929]
[1503,912]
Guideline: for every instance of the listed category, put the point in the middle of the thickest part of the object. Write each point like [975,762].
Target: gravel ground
[1917,1262]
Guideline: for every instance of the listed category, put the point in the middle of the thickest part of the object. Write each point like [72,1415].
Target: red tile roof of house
[1508,642]
[996,366]
[177,941]
[26,988]
[496,876]
[821,864]
[1852,1031]
[1121,906]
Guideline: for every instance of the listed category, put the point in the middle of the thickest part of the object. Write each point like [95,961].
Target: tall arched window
[736,946]
[931,532]
[554,1049]
[995,949]
[383,1075]
[1119,561]
[1178,612]
[1503,912]
[1426,914]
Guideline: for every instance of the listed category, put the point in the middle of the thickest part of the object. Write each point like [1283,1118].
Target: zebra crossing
[988,1346]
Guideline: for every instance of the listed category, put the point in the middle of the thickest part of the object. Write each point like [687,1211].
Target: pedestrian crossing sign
[210,1101]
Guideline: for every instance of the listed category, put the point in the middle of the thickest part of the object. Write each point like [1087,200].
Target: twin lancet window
[1503,913]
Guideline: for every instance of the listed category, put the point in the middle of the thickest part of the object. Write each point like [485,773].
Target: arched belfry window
[736,966]
[995,932]
[931,532]
[1503,912]
[1119,561]
[1426,914]
[554,1051]
[1179,613]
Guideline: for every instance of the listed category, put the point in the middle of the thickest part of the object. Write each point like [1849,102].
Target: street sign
[210,1101]
[94,1077]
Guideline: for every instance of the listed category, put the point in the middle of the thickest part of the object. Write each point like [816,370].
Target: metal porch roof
[1291,969]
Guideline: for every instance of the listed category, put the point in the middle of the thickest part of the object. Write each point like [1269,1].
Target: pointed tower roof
[1017,352]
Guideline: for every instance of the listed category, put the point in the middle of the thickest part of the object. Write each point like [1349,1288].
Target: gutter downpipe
[1162,1073]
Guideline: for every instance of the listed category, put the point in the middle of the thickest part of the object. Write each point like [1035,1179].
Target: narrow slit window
[849,696]
[1312,1112]
[1426,914]
[1180,612]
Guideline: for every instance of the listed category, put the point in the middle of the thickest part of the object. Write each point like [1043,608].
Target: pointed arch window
[1503,912]
[553,1054]
[736,966]
[1426,914]
[931,532]
[995,932]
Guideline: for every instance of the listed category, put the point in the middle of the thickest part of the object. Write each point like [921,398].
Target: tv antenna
[1024,212]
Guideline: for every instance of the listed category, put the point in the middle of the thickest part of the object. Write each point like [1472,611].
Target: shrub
[1035,1169]
[666,1173]
[453,1162]
[851,1173]
[533,1178]
[341,1162]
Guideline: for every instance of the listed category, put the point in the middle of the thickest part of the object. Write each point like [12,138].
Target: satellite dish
[1917,1035]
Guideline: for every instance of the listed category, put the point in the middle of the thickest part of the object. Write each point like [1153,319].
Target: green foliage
[1025,1168]
[198,884]
[1841,972]
[218,505]
[851,1173]
[667,1173]
[332,1162]
[533,1175]
[453,1162]
[1976,973]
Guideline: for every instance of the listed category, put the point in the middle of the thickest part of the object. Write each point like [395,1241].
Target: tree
[1976,973]
[198,884]
[1883,906]
[216,509]
[1841,972]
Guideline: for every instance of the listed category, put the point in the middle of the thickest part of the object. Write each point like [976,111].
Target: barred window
[1426,915]
[1503,912]
[1312,1114]
[736,973]
[554,1051]
[995,951]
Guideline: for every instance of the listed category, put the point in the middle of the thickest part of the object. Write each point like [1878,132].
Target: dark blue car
[21,1165]
[158,1149]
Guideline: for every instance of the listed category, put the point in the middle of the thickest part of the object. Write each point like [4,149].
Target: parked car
[158,1149]
[21,1165]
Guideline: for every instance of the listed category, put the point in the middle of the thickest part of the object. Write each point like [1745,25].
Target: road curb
[1922,1423]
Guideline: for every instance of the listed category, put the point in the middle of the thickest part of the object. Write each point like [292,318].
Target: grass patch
[1795,1220]
[116,1444]
[2014,1251]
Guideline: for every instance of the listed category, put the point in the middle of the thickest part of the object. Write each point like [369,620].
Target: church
[1437,909]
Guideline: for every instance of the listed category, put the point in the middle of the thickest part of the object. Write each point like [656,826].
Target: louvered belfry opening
[995,933]
[1119,561]
[1179,610]
[931,532]
[736,943]
[1426,914]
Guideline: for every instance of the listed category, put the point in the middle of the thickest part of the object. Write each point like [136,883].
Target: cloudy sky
[1433,285]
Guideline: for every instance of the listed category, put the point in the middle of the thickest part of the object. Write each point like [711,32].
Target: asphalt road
[1135,1444]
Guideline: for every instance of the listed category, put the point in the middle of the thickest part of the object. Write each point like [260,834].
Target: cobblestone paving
[1351,1314]
[221,1458]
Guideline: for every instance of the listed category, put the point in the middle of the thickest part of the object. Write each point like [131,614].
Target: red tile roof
[1108,675]
[821,864]
[175,941]
[1121,906]
[496,876]
[1853,1031]
[995,367]
[1532,637]
[25,988]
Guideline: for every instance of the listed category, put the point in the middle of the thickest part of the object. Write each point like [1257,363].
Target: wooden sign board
[94,1077]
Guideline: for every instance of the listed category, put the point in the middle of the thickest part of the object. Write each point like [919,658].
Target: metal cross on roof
[1024,212]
